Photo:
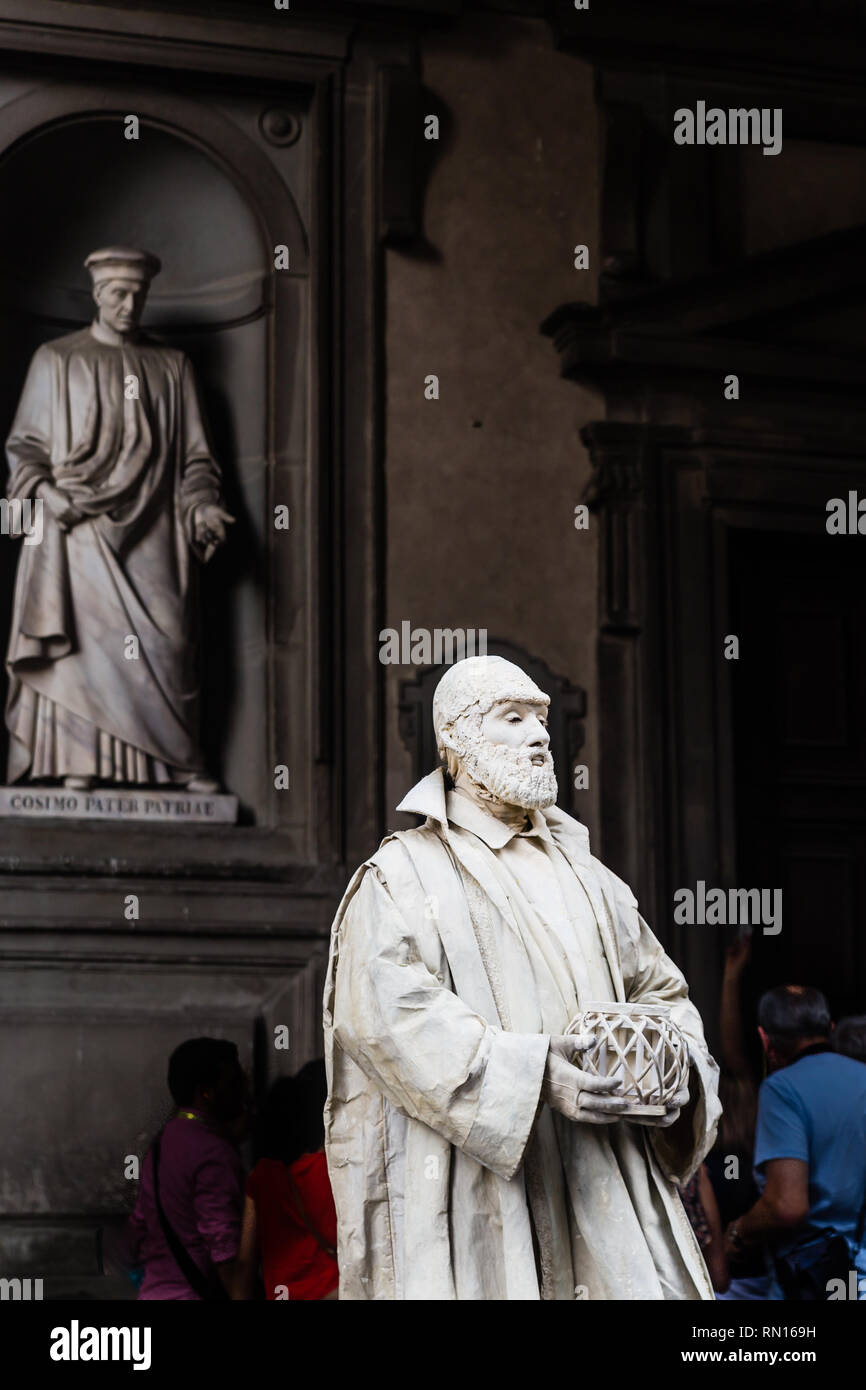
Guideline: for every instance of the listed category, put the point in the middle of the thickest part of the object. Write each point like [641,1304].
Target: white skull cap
[479,683]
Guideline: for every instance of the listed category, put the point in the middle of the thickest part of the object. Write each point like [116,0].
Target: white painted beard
[508,774]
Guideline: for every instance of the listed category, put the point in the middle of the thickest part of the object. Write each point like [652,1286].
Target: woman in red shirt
[289,1219]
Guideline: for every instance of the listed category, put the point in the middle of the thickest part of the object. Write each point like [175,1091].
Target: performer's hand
[570,1045]
[672,1114]
[60,505]
[576,1094]
[209,526]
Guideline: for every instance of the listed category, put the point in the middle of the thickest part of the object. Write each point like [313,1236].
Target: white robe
[444,986]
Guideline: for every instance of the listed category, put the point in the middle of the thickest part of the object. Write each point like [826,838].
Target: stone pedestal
[118,804]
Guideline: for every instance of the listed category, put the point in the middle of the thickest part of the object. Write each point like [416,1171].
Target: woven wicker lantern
[640,1046]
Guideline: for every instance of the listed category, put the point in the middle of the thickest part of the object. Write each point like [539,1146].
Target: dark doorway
[798,604]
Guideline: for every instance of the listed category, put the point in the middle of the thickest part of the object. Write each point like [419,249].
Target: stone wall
[481,484]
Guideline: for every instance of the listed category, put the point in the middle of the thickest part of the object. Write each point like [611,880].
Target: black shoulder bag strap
[208,1290]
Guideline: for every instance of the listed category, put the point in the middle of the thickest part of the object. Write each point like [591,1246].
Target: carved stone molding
[751,317]
[615,491]
[819,41]
[616,452]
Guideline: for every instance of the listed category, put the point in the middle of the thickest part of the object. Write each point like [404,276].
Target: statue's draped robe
[81,699]
[451,1179]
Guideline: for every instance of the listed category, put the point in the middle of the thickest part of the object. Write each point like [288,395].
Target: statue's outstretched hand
[60,505]
[577,1094]
[209,527]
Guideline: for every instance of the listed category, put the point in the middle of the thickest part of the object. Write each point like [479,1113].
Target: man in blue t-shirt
[810,1142]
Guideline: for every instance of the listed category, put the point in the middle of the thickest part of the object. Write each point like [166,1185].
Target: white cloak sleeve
[429,1054]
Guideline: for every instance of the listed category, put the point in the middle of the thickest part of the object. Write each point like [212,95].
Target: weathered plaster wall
[482,484]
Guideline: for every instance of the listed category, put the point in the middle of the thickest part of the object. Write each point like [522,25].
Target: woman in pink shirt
[185,1229]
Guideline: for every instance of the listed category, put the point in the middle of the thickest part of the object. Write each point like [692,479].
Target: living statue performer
[102,659]
[470,1155]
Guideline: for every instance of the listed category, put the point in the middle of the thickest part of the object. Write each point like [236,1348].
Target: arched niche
[198,193]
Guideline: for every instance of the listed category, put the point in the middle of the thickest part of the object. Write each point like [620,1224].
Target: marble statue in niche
[103,647]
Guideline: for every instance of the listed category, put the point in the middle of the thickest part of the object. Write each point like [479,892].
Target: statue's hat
[478,683]
[122,263]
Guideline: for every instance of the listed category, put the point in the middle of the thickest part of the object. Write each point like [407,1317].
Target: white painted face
[507,753]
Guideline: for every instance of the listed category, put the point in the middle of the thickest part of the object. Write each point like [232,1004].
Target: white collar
[429,798]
